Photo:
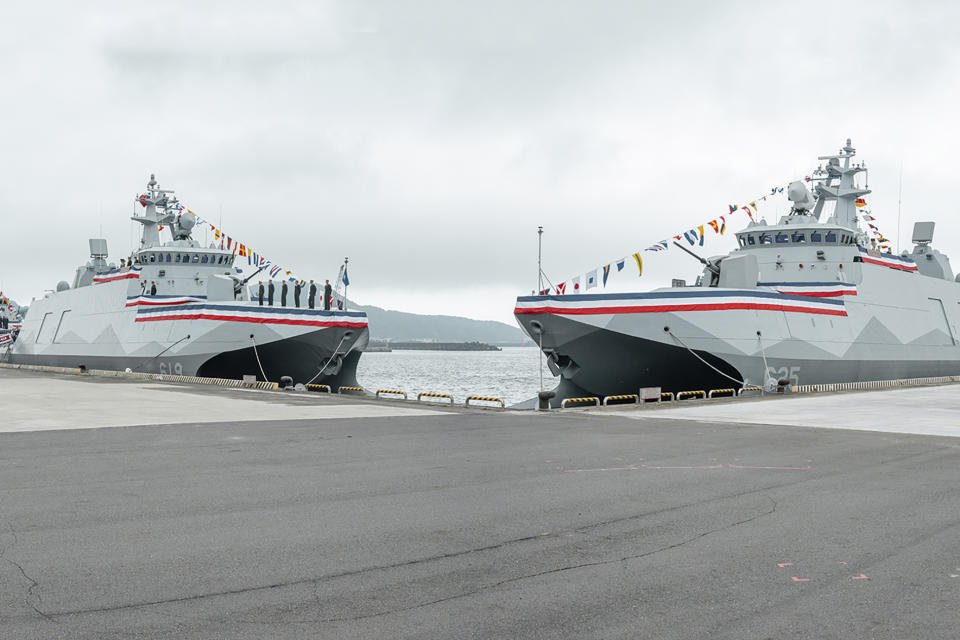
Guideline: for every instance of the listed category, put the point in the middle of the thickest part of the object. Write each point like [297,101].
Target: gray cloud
[427,140]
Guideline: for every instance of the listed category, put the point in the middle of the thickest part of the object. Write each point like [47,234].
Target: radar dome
[187,220]
[62,285]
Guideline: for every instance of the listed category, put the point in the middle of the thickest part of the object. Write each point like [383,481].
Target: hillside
[400,325]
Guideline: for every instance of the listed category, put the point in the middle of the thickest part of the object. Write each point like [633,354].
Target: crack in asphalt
[492,547]
[572,567]
[30,594]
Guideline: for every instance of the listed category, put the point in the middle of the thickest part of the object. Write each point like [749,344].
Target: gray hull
[898,325]
[92,326]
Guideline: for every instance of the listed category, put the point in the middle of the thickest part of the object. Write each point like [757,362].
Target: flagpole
[345,285]
[540,264]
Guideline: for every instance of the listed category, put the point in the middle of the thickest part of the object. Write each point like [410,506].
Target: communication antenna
[899,201]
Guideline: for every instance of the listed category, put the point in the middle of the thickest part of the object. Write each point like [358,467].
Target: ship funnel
[801,198]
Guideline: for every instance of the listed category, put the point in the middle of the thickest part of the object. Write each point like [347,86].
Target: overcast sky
[427,140]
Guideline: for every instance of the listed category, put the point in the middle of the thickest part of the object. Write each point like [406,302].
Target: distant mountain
[400,325]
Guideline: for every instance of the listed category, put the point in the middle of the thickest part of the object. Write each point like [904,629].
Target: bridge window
[196,259]
[831,237]
[169,257]
[765,238]
[781,238]
[153,257]
[751,241]
[816,236]
[204,260]
[797,237]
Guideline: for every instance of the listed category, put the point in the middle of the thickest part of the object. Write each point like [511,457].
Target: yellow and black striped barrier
[727,392]
[484,399]
[749,388]
[438,396]
[319,388]
[621,398]
[592,399]
[668,395]
[691,394]
[350,389]
[391,392]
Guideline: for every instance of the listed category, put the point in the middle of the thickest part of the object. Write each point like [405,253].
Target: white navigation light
[801,198]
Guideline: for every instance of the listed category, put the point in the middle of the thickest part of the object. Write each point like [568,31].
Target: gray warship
[797,302]
[200,321]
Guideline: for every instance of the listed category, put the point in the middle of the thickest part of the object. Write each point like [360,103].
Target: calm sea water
[510,374]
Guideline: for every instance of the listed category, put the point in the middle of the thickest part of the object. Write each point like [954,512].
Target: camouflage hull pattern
[94,326]
[897,324]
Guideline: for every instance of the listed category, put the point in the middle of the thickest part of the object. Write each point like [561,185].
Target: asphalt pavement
[322,521]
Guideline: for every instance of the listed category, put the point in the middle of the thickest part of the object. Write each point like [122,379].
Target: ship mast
[839,187]
[153,200]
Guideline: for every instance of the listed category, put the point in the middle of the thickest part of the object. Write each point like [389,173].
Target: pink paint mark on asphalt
[784,564]
[841,562]
[862,576]
[712,466]
[796,579]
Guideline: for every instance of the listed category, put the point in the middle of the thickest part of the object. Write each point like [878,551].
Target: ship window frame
[816,236]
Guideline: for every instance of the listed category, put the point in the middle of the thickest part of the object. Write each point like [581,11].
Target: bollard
[286,382]
[543,400]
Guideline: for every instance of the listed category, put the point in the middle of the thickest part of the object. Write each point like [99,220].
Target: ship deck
[143,509]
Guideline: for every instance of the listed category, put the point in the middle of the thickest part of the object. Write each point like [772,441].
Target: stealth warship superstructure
[801,301]
[182,308]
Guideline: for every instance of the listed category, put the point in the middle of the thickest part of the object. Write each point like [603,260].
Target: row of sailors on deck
[311,294]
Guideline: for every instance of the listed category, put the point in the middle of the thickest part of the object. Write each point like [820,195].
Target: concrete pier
[146,510]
